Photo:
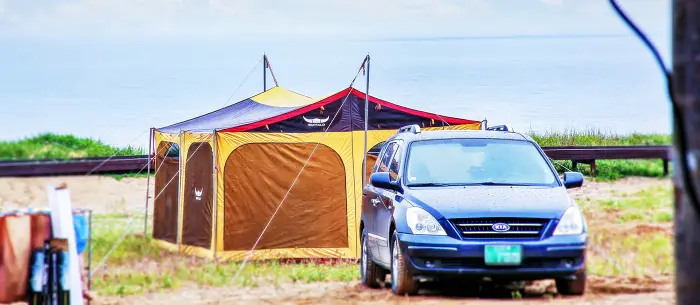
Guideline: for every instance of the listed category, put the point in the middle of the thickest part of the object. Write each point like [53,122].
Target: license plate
[503,254]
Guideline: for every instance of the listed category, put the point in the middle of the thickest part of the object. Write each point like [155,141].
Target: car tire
[402,283]
[573,287]
[372,275]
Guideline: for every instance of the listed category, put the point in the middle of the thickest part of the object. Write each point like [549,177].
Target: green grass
[60,146]
[598,138]
[631,255]
[631,235]
[607,169]
[129,175]
[653,205]
[203,274]
[138,266]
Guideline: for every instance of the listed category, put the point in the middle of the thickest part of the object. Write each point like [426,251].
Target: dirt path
[354,293]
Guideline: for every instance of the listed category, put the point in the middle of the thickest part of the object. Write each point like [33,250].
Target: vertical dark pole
[89,246]
[215,186]
[364,152]
[264,72]
[686,88]
[148,181]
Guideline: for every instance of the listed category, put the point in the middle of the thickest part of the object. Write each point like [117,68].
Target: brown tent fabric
[15,241]
[314,214]
[371,160]
[166,204]
[198,205]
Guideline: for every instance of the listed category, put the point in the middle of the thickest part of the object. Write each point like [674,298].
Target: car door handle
[375,201]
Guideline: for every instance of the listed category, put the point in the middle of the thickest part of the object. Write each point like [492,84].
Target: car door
[386,208]
[371,201]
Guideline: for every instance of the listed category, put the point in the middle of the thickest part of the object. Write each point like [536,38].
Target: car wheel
[401,281]
[573,287]
[371,274]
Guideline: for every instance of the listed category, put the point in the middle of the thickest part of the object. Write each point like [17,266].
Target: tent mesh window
[314,214]
[198,203]
[166,189]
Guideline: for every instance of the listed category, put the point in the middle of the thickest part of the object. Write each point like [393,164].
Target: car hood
[491,201]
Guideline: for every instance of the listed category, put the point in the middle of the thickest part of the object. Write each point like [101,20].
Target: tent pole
[264,72]
[364,152]
[215,187]
[179,189]
[148,180]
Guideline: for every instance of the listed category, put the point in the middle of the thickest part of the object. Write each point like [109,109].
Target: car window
[173,151]
[383,165]
[477,161]
[394,164]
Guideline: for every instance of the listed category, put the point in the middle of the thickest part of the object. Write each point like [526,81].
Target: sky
[110,69]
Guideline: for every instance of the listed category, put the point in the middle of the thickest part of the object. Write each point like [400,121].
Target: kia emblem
[500,227]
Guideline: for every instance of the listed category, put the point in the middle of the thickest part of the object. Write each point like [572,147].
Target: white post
[62,227]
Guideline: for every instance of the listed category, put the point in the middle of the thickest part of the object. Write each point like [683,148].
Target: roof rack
[500,128]
[410,128]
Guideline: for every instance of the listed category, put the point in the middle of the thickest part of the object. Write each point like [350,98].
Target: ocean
[116,91]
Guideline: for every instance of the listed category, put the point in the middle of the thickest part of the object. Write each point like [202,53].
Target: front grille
[518,228]
[478,262]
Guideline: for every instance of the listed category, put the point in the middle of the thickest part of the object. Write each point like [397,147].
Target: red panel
[290,114]
[449,120]
[342,94]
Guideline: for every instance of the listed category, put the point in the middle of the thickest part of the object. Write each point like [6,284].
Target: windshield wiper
[495,183]
[466,184]
[431,184]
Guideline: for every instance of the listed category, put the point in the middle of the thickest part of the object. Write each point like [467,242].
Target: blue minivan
[470,205]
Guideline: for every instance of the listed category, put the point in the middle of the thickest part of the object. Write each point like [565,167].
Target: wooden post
[593,168]
[686,89]
[665,167]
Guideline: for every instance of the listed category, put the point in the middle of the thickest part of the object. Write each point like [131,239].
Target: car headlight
[571,223]
[421,222]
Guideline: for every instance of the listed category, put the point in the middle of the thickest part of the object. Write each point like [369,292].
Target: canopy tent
[299,160]
[270,103]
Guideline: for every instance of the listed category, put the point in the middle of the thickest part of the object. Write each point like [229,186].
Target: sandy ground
[102,194]
[107,195]
[355,293]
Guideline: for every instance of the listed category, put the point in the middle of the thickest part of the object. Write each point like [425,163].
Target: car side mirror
[383,180]
[573,180]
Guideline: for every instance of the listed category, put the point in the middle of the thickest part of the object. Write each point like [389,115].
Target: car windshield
[476,161]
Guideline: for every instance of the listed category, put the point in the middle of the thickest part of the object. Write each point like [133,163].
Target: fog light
[567,263]
[429,264]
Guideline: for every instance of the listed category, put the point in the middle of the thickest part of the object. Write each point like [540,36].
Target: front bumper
[553,257]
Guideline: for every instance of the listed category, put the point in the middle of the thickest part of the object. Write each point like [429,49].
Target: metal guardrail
[589,154]
[132,164]
[80,166]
